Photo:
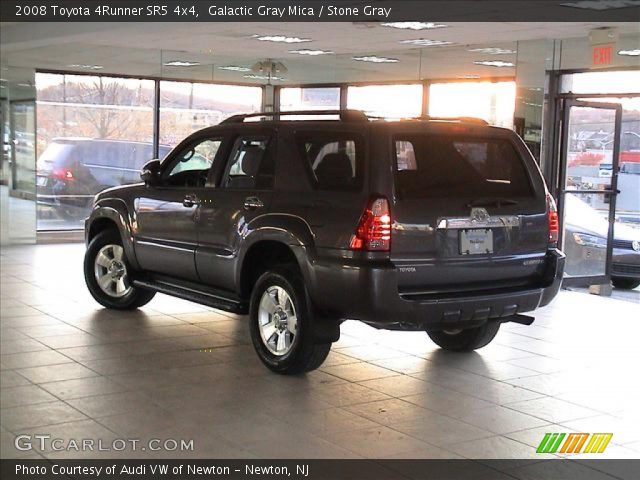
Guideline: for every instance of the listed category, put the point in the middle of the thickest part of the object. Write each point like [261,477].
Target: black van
[71,171]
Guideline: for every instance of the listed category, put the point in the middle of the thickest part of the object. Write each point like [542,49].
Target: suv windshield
[449,166]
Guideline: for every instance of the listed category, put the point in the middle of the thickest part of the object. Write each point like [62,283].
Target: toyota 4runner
[441,225]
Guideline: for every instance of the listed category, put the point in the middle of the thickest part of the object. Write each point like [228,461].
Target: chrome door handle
[190,201]
[251,203]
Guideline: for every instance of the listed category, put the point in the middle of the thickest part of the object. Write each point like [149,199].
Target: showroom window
[96,132]
[309,98]
[93,132]
[186,107]
[386,101]
[491,101]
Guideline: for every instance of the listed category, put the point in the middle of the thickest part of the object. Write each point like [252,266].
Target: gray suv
[440,225]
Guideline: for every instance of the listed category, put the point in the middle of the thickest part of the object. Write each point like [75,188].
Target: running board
[204,296]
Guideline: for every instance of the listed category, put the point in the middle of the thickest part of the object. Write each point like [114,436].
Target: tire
[278,295]
[465,340]
[625,283]
[129,297]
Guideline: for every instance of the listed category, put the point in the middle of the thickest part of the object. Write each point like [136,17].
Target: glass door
[587,197]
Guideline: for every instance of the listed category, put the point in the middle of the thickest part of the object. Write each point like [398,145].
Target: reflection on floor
[617,293]
[176,370]
[18,213]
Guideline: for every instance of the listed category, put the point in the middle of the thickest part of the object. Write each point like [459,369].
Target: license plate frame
[476,241]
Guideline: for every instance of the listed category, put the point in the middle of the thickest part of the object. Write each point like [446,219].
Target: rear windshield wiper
[492,202]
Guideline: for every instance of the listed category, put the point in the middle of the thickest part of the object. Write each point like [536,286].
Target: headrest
[334,169]
[251,159]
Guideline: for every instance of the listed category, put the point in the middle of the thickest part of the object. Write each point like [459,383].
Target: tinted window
[450,166]
[101,154]
[251,165]
[56,154]
[334,159]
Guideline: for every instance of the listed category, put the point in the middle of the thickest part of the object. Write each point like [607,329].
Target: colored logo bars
[595,443]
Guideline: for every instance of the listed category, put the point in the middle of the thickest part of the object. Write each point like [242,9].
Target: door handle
[190,201]
[251,203]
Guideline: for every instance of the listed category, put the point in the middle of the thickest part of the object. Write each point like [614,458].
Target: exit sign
[601,55]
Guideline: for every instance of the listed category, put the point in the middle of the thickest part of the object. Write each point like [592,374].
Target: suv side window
[251,165]
[190,167]
[333,158]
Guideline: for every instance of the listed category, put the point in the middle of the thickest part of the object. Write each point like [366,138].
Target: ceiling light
[181,63]
[468,76]
[495,63]
[424,42]
[88,67]
[262,77]
[375,59]
[235,68]
[306,51]
[601,4]
[280,39]
[630,53]
[493,50]
[414,25]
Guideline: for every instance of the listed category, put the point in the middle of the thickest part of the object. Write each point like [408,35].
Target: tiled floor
[176,370]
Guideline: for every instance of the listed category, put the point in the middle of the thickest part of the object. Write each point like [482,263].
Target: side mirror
[150,173]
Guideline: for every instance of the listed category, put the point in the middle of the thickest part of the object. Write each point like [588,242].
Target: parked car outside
[585,244]
[444,226]
[70,171]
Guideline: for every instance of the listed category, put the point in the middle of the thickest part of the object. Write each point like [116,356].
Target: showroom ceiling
[201,49]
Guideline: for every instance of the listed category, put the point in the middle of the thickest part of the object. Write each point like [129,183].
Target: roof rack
[345,115]
[479,121]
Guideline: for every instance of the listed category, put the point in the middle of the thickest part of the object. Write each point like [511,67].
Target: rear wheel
[107,274]
[625,283]
[282,323]
[465,340]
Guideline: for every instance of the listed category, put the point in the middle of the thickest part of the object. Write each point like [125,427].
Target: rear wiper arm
[494,202]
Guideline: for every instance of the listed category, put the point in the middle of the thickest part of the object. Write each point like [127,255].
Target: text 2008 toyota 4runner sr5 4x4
[421,224]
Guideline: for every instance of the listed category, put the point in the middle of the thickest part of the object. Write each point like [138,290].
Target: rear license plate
[476,242]
[41,181]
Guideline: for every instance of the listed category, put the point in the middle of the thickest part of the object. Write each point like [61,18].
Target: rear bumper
[369,292]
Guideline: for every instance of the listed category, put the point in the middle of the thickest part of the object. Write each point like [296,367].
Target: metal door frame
[567,104]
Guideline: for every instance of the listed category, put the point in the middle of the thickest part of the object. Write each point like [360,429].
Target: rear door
[469,210]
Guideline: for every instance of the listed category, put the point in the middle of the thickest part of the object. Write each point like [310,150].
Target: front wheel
[625,283]
[107,274]
[465,340]
[282,324]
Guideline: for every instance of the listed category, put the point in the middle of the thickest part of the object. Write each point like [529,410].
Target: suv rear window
[452,166]
[335,159]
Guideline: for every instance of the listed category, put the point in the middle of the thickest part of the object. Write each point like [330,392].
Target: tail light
[554,222]
[62,174]
[374,228]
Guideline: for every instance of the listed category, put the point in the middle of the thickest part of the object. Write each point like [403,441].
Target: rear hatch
[54,163]
[469,211]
